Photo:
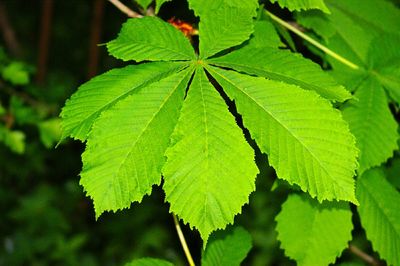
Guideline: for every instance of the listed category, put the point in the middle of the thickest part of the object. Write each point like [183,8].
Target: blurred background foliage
[48,48]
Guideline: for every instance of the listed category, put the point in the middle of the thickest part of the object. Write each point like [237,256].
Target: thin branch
[312,41]
[183,241]
[44,40]
[129,12]
[9,36]
[362,255]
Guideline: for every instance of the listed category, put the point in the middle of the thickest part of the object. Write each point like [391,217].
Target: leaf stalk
[183,241]
[312,41]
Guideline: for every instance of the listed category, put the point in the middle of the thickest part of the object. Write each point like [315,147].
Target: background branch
[364,256]
[8,32]
[129,12]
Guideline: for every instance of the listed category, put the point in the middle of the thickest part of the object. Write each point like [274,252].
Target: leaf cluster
[167,119]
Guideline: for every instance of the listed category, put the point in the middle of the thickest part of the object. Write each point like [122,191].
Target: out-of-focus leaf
[16,73]
[50,131]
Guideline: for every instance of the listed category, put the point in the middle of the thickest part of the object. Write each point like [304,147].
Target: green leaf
[124,153]
[284,66]
[200,7]
[149,262]
[379,214]
[355,23]
[144,3]
[23,113]
[217,32]
[209,163]
[375,16]
[264,35]
[102,92]
[150,38]
[229,247]
[302,4]
[312,233]
[16,73]
[307,141]
[372,124]
[317,21]
[159,3]
[2,109]
[384,58]
[15,140]
[50,131]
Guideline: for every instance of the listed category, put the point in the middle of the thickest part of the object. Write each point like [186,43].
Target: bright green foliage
[202,7]
[216,30]
[264,35]
[355,24]
[14,139]
[149,262]
[227,248]
[159,3]
[50,131]
[156,119]
[372,124]
[16,73]
[219,33]
[102,92]
[202,190]
[163,44]
[352,25]
[125,151]
[313,233]
[384,59]
[379,214]
[306,140]
[302,4]
[284,66]
[144,3]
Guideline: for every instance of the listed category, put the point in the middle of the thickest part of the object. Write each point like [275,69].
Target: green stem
[312,41]
[183,241]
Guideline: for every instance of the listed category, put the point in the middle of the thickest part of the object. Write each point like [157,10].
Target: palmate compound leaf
[299,5]
[284,66]
[103,91]
[125,150]
[372,124]
[228,247]
[217,31]
[150,38]
[379,214]
[313,233]
[210,169]
[307,141]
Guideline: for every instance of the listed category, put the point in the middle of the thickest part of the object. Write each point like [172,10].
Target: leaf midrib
[145,128]
[291,133]
[206,143]
[168,72]
[275,76]
[380,208]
